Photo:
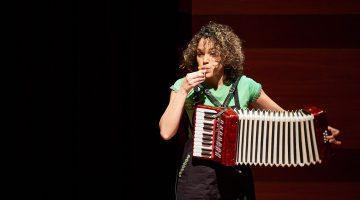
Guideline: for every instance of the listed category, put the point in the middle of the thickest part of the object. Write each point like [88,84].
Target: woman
[216,51]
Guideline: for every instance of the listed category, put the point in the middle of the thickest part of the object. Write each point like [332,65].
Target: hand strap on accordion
[232,92]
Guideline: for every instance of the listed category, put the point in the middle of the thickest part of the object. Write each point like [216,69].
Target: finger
[197,82]
[199,79]
[337,142]
[201,73]
[196,73]
[330,137]
[336,132]
[193,80]
[333,141]
[190,78]
[333,130]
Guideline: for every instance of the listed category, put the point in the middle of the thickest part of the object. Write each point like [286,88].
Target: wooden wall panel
[341,167]
[328,78]
[274,7]
[300,190]
[302,52]
[290,31]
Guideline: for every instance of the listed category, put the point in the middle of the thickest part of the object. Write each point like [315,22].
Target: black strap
[236,98]
[212,98]
[232,90]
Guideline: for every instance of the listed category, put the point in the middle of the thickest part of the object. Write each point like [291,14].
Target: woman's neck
[215,81]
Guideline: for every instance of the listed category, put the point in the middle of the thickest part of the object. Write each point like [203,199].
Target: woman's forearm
[264,102]
[170,120]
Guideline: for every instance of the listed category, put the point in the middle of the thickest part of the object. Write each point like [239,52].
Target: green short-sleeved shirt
[248,91]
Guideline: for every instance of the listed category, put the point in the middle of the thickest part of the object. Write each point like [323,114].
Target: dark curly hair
[226,42]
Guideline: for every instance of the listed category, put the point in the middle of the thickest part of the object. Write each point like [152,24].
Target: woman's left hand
[332,138]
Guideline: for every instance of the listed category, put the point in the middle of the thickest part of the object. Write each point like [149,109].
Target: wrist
[183,91]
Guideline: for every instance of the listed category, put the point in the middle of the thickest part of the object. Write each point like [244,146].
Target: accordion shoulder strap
[236,95]
[232,92]
[212,98]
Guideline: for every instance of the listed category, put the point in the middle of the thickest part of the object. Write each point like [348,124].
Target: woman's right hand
[192,79]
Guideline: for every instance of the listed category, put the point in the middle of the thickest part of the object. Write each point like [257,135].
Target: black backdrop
[93,83]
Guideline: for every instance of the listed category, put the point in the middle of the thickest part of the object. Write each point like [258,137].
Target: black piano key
[207,154]
[208,124]
[206,150]
[208,127]
[205,143]
[205,137]
[210,134]
[209,113]
[209,116]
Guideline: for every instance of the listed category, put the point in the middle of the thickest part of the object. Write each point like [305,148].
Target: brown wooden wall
[302,52]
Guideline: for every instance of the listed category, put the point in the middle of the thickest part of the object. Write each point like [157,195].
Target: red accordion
[236,137]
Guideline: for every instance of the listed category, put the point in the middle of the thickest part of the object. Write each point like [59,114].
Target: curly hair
[226,42]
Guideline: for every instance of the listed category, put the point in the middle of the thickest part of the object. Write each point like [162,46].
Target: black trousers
[206,180]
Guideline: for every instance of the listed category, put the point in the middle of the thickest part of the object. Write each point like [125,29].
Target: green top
[248,91]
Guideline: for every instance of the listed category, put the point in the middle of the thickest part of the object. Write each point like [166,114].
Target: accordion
[253,137]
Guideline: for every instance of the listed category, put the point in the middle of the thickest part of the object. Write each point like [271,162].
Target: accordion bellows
[253,137]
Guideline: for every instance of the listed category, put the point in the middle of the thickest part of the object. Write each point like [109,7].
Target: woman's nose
[206,58]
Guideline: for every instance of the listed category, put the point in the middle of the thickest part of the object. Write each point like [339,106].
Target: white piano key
[204,120]
[205,110]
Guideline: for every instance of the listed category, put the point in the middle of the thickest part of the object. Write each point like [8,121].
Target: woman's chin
[208,75]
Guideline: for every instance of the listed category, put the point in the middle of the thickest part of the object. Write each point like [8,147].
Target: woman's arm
[170,120]
[265,103]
